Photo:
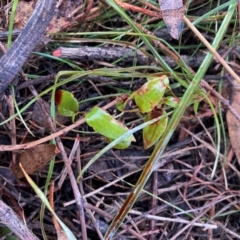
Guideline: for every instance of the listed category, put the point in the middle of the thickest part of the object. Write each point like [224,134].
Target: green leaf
[171,101]
[103,123]
[67,104]
[151,93]
[153,132]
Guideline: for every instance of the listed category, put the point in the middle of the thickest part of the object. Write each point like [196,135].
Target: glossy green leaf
[171,101]
[67,104]
[153,132]
[103,123]
[151,93]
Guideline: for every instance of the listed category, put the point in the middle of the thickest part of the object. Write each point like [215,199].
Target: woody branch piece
[111,54]
[12,221]
[13,60]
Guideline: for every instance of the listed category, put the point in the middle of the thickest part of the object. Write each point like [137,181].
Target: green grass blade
[11,22]
[18,111]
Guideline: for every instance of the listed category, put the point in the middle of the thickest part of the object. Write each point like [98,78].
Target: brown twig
[51,202]
[131,7]
[12,221]
[111,54]
[63,174]
[39,80]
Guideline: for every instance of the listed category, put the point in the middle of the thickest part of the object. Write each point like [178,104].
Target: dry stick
[179,220]
[226,230]
[4,35]
[12,221]
[89,6]
[42,140]
[12,62]
[101,54]
[63,174]
[80,189]
[191,223]
[131,7]
[111,54]
[77,194]
[51,202]
[128,55]
[95,223]
[39,80]
[107,215]
[88,211]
